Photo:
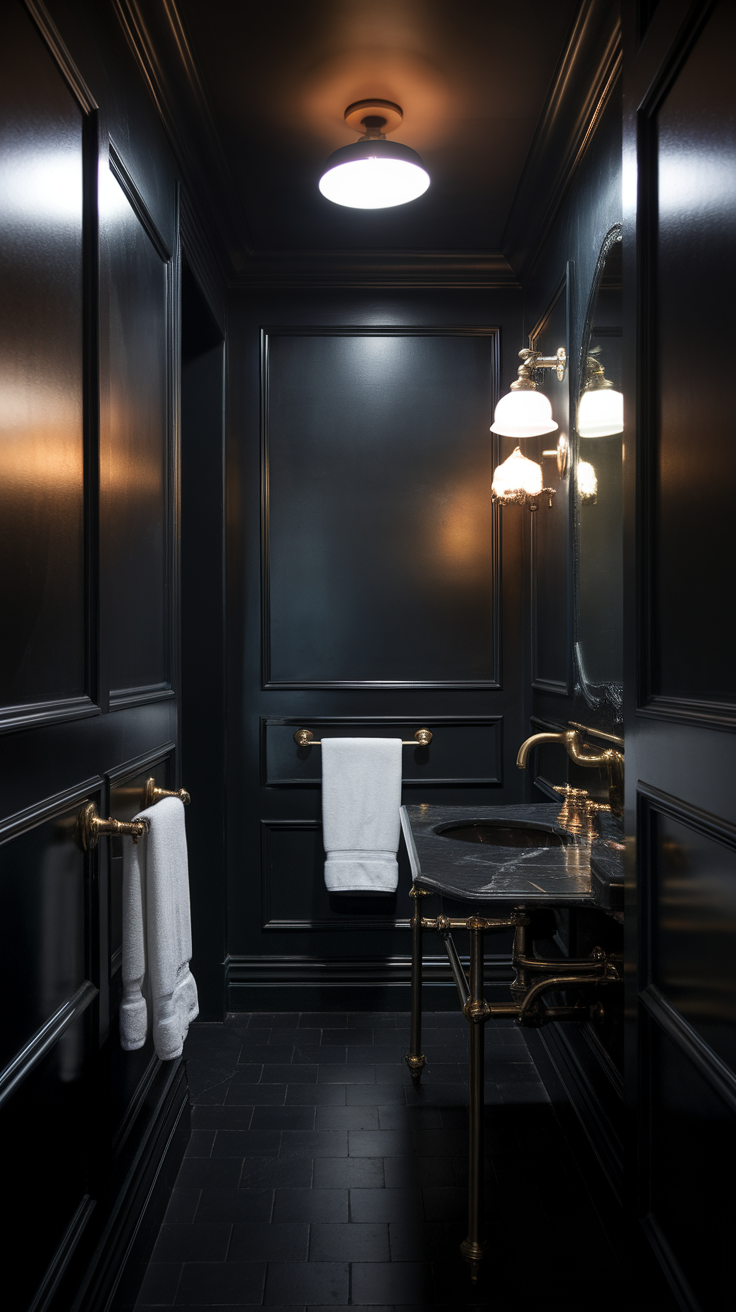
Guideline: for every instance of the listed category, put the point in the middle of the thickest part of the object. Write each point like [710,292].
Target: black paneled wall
[373,591]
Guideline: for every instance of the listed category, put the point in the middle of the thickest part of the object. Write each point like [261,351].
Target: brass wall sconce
[601,407]
[560,454]
[523,411]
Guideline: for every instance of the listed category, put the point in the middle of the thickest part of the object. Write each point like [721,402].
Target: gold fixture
[90,825]
[374,118]
[305,738]
[601,407]
[560,454]
[153,794]
[598,733]
[610,758]
[578,811]
[528,1008]
[523,411]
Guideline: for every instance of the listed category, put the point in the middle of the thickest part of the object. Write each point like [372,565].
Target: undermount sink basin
[502,833]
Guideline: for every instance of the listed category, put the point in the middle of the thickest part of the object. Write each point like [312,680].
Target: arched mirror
[597,472]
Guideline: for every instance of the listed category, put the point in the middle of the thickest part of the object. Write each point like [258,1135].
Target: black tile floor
[316,1176]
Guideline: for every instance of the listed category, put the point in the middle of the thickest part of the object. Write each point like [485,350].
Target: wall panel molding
[408,332]
[44,1038]
[404,726]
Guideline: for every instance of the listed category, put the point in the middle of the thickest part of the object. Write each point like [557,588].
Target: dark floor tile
[302,1038]
[311,1205]
[323,1020]
[346,1118]
[380,1143]
[283,1118]
[349,1243]
[344,1074]
[286,1020]
[206,1173]
[395,1072]
[370,1095]
[263,1052]
[381,1054]
[237,1019]
[439,1143]
[159,1284]
[192,1243]
[304,1073]
[314,1143]
[444,1019]
[444,1072]
[349,1035]
[437,1095]
[204,1077]
[200,1143]
[348,1173]
[412,1172]
[417,1241]
[210,1283]
[516,1072]
[209,1095]
[326,1095]
[247,1143]
[256,1095]
[234,1205]
[514,1094]
[256,1038]
[317,1283]
[222,1118]
[182,1206]
[384,1204]
[332,1056]
[264,1173]
[398,1116]
[444,1204]
[250,1073]
[392,1282]
[281,1241]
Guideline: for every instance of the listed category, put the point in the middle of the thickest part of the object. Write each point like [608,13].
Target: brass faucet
[572,739]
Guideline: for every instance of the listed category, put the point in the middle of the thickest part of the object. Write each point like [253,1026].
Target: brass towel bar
[90,825]
[305,738]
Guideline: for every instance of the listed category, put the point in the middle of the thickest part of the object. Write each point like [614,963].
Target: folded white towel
[157,934]
[361,796]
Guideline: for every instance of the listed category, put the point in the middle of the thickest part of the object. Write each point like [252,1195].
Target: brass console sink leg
[473,1248]
[415,1058]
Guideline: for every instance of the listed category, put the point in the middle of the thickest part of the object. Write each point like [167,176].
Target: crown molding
[586,75]
[375,268]
[158,40]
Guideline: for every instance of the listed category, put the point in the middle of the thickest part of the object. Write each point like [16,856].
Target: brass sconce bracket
[90,825]
[153,794]
[532,362]
[560,454]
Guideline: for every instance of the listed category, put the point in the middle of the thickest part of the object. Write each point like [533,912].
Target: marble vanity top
[577,874]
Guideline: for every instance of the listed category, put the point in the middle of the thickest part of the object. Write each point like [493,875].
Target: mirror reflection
[598,493]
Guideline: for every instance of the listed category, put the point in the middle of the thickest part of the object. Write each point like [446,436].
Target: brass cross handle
[153,794]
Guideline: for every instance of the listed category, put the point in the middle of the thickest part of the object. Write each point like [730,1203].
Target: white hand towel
[361,796]
[157,934]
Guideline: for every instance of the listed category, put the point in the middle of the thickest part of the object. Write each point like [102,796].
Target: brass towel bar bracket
[422,738]
[153,794]
[90,825]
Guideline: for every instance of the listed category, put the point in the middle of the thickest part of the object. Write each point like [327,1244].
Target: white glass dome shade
[523,413]
[601,413]
[374,174]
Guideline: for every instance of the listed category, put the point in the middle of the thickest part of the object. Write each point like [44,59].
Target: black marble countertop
[578,873]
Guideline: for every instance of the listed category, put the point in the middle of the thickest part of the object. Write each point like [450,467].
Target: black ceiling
[472,79]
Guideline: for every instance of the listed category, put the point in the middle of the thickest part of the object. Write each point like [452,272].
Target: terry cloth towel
[361,796]
[157,934]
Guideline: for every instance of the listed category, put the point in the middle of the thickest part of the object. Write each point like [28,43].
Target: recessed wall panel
[694,283]
[135,456]
[42,587]
[378,528]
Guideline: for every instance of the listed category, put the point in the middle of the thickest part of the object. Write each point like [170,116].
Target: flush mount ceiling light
[523,411]
[601,408]
[373,173]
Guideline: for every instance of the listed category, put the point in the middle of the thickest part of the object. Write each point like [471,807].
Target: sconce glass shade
[526,413]
[601,413]
[587,480]
[517,479]
[373,175]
